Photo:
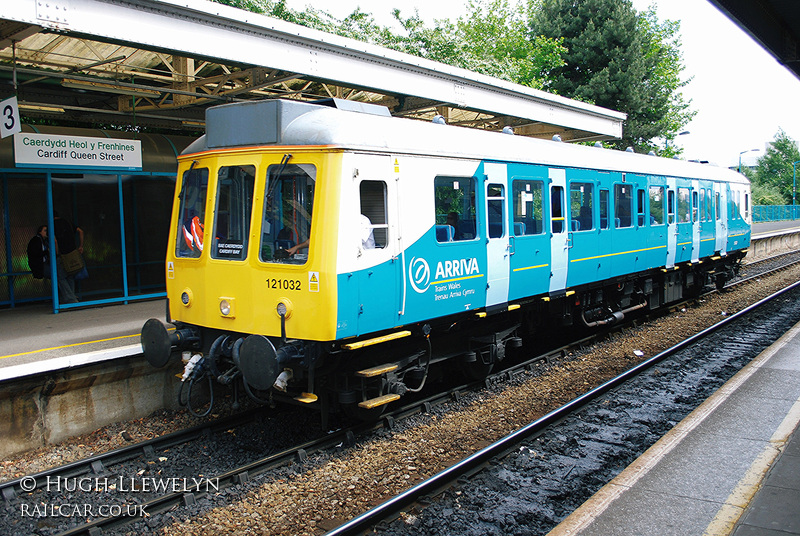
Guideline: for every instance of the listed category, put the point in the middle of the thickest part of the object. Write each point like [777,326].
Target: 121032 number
[284,284]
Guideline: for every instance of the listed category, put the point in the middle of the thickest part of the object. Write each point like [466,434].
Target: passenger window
[671,206]
[528,207]
[288,209]
[454,200]
[710,205]
[656,205]
[640,207]
[746,206]
[232,216]
[581,206]
[694,207]
[374,225]
[623,201]
[557,209]
[603,209]
[189,242]
[702,204]
[495,205]
[717,199]
[684,205]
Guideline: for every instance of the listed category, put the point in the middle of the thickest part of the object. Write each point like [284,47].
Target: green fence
[763,213]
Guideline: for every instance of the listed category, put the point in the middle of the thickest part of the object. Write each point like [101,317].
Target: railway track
[736,340]
[102,466]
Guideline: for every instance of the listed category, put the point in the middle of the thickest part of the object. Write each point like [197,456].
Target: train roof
[362,126]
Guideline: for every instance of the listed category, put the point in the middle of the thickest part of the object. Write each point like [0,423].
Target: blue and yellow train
[330,255]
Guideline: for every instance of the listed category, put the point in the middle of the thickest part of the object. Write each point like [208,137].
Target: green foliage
[597,51]
[492,39]
[622,60]
[774,172]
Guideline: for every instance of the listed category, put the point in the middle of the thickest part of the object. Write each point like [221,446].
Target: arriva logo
[457,268]
[419,274]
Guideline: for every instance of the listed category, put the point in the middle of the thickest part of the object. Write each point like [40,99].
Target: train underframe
[361,378]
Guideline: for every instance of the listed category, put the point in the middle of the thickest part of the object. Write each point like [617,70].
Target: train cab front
[250,271]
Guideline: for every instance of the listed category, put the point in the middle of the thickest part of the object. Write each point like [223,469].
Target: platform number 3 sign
[9,118]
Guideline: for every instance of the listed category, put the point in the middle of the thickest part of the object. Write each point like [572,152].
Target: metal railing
[764,213]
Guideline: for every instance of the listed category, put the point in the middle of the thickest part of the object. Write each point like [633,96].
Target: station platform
[34,340]
[732,467]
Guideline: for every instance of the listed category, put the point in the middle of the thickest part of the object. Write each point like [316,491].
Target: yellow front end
[252,229]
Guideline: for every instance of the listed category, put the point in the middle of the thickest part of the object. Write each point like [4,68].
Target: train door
[707,224]
[695,221]
[657,230]
[623,238]
[372,237]
[683,250]
[721,217]
[583,231]
[559,239]
[672,222]
[498,247]
[530,237]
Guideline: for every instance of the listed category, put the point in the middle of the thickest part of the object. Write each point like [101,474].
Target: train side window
[656,205]
[623,201]
[232,216]
[557,209]
[454,201]
[717,204]
[374,224]
[640,207]
[288,209]
[709,205]
[581,205]
[684,205]
[702,204]
[746,205]
[603,209]
[495,204]
[671,206]
[194,188]
[528,207]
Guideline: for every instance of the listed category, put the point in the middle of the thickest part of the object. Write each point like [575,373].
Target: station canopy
[774,24]
[161,63]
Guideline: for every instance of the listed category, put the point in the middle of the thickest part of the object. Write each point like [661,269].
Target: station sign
[76,152]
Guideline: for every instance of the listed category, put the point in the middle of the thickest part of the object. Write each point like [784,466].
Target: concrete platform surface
[731,467]
[33,339]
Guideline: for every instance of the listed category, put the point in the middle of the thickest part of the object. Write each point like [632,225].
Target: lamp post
[794,185]
[666,140]
[740,157]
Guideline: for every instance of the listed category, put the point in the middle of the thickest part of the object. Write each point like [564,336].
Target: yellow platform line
[69,346]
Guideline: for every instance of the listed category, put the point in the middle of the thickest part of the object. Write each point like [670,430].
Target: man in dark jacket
[38,259]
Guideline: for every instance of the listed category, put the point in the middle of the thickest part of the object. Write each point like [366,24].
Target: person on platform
[38,254]
[64,234]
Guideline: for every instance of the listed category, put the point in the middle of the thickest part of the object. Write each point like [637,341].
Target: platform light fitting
[41,108]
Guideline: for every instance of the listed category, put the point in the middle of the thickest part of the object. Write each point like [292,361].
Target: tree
[774,170]
[491,39]
[619,59]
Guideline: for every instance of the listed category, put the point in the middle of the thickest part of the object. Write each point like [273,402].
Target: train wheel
[477,364]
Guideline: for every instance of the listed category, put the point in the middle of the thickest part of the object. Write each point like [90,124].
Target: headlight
[227,307]
[186,297]
[284,308]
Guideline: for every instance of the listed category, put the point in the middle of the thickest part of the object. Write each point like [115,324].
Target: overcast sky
[741,94]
